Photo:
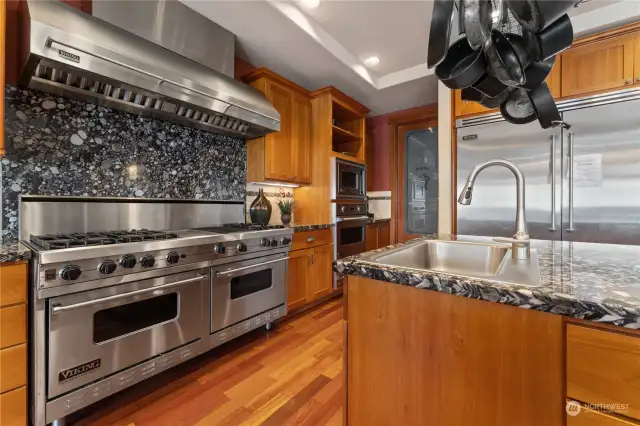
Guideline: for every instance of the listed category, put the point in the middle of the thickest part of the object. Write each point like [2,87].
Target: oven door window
[351,235]
[251,283]
[121,320]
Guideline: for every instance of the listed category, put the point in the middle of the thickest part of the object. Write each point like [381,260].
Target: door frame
[395,121]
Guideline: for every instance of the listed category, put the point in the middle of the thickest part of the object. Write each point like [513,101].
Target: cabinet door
[278,144]
[371,237]
[320,282]
[636,59]
[298,274]
[384,234]
[466,108]
[554,78]
[602,65]
[301,139]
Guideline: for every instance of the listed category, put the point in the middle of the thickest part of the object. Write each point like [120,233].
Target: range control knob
[107,267]
[173,257]
[343,209]
[147,261]
[358,208]
[242,247]
[274,243]
[128,261]
[70,272]
[220,249]
[264,242]
[285,241]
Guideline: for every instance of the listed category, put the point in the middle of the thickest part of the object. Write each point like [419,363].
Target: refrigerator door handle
[553,184]
[571,183]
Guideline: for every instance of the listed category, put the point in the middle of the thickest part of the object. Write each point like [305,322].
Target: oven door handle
[60,308]
[231,271]
[343,219]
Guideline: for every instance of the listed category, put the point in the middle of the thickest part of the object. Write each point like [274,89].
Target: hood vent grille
[94,88]
[75,55]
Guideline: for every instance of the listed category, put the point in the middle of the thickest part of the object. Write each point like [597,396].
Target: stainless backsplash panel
[55,215]
[163,22]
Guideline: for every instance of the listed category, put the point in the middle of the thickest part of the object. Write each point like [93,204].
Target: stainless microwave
[348,180]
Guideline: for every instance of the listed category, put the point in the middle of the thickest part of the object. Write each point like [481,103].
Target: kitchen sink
[469,259]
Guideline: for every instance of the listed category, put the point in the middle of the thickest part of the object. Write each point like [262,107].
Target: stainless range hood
[75,55]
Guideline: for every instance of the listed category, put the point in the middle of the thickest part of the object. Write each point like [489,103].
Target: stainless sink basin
[469,259]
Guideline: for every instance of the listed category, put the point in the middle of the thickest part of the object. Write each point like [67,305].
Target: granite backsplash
[57,146]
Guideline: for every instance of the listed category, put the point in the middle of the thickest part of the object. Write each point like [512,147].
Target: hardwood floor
[291,375]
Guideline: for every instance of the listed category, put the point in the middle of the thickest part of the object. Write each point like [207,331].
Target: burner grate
[62,241]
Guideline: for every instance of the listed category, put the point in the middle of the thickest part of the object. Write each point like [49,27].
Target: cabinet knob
[638,79]
[628,81]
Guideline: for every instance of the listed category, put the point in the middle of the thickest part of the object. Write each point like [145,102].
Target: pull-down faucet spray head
[465,194]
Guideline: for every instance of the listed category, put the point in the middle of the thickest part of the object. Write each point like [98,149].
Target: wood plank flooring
[291,375]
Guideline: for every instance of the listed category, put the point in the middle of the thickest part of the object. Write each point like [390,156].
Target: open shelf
[347,157]
[341,135]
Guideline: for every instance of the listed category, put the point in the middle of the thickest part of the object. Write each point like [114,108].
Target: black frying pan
[503,60]
[536,15]
[473,95]
[462,66]
[489,86]
[440,31]
[537,72]
[552,40]
[544,106]
[517,108]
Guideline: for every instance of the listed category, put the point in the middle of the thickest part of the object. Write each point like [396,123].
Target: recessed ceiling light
[372,61]
[310,4]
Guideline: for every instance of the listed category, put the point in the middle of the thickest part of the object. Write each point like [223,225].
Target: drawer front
[14,408]
[603,368]
[13,325]
[308,239]
[593,418]
[13,284]
[13,364]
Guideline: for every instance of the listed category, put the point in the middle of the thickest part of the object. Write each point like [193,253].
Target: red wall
[378,132]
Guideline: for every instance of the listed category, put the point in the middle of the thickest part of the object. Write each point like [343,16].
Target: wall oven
[97,333]
[349,180]
[351,223]
[246,295]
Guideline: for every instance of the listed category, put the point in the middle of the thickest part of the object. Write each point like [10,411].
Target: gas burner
[61,241]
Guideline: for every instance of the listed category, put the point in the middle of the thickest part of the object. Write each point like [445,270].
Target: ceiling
[327,45]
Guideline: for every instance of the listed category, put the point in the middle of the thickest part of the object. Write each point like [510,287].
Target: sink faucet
[520,241]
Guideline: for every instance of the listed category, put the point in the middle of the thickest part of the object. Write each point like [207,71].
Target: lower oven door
[95,333]
[241,290]
[350,236]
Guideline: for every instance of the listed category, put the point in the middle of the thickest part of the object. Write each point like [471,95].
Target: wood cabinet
[603,368]
[600,65]
[377,235]
[310,271]
[417,357]
[13,344]
[283,156]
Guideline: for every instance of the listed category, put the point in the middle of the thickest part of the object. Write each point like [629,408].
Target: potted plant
[286,206]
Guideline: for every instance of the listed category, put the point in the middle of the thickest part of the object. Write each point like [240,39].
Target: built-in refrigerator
[582,182]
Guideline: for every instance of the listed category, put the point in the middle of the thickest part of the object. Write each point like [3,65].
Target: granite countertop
[301,227]
[13,250]
[380,220]
[598,282]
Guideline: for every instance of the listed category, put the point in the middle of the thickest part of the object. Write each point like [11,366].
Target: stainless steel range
[111,308]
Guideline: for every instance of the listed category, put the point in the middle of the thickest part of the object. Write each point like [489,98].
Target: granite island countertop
[597,282]
[302,227]
[13,251]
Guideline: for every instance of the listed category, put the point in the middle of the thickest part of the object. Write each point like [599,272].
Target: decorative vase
[260,210]
[285,218]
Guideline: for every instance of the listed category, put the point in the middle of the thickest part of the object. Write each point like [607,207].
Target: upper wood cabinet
[285,155]
[599,65]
